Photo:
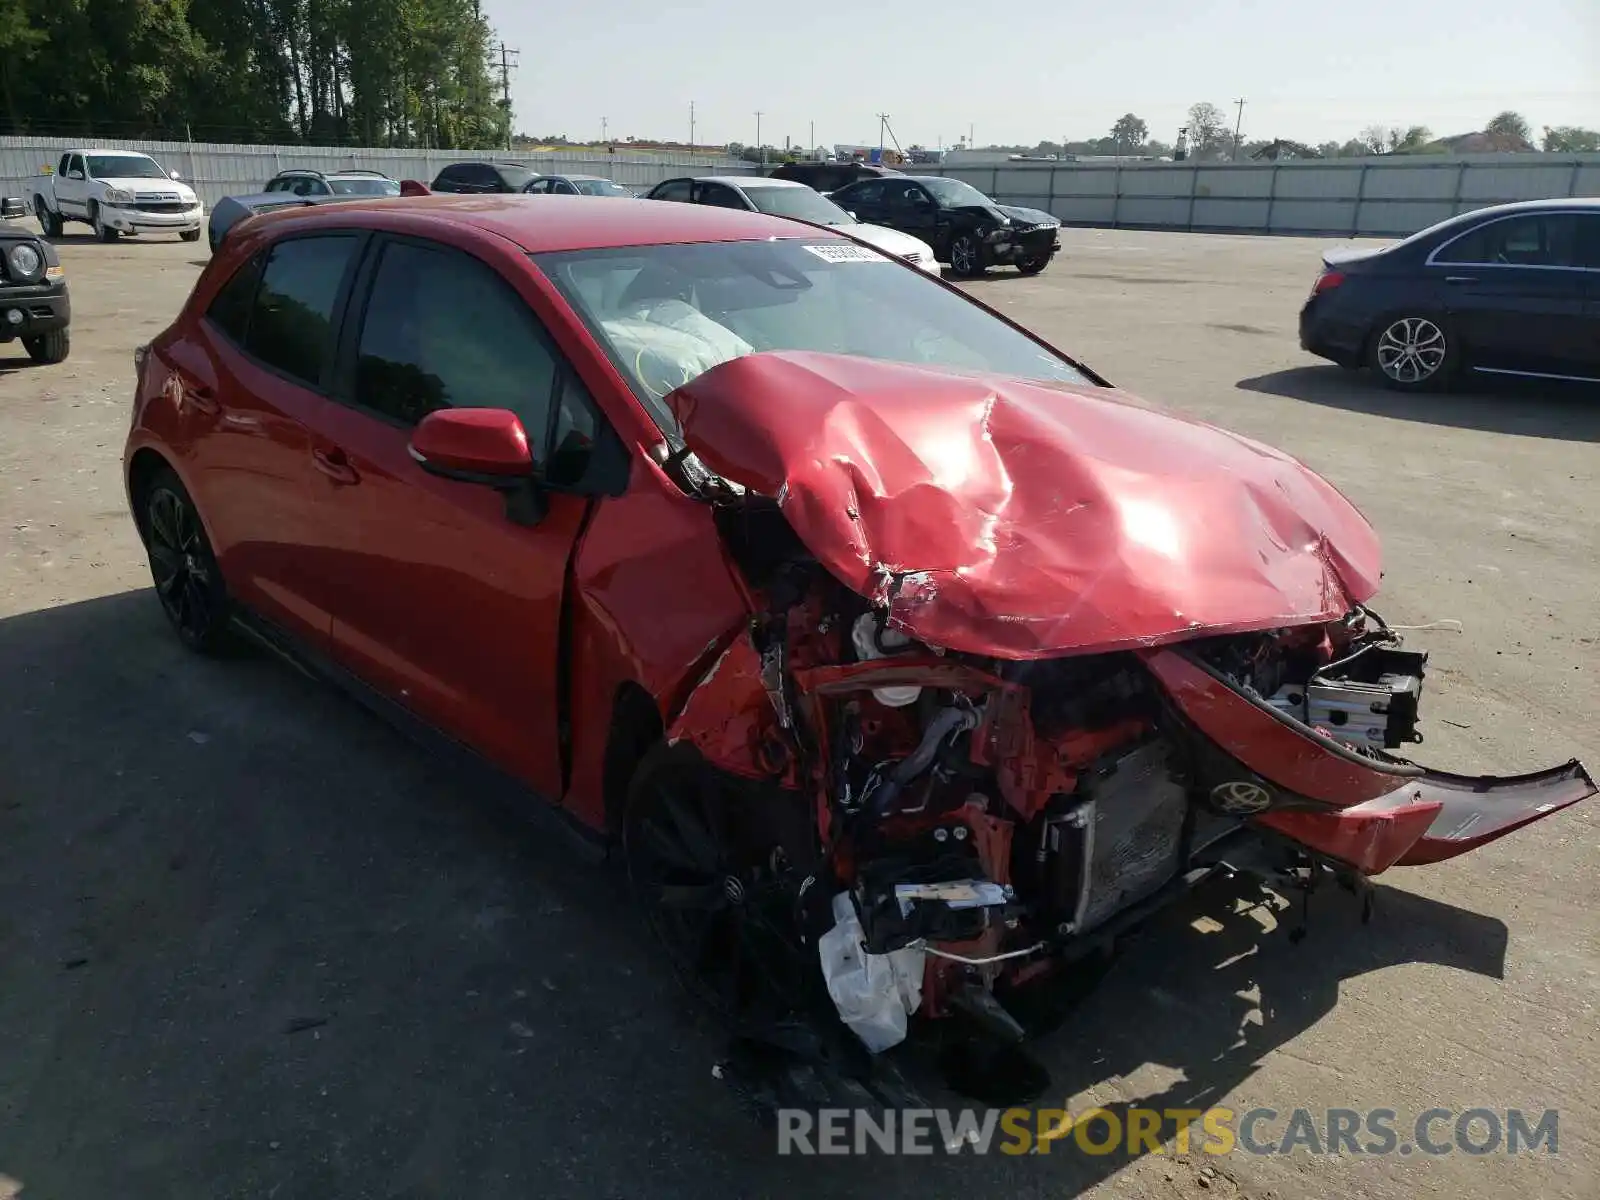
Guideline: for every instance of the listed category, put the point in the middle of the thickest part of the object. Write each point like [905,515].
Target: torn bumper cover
[1438,816]
[1370,813]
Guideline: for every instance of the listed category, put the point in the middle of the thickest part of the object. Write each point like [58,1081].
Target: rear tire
[1413,353]
[190,235]
[49,348]
[102,231]
[49,221]
[182,565]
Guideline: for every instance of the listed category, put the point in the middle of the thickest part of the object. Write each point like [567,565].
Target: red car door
[249,385]
[440,598]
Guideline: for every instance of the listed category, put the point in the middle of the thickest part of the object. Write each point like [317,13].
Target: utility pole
[604,126]
[691,125]
[759,146]
[506,67]
[1238,124]
[811,150]
[883,119]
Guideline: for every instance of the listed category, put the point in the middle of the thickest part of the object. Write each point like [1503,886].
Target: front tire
[721,903]
[101,230]
[966,256]
[50,222]
[190,235]
[48,348]
[1033,265]
[1413,353]
[183,566]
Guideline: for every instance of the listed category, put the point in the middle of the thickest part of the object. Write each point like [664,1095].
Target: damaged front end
[940,827]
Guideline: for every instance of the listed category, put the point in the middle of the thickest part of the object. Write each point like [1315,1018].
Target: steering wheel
[659,373]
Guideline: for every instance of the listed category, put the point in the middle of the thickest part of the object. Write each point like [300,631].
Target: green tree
[1130,132]
[1510,125]
[1208,131]
[375,72]
[1570,139]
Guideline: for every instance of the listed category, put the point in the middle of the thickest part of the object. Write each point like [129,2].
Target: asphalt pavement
[253,944]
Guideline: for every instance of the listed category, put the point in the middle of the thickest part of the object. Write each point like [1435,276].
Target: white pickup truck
[115,191]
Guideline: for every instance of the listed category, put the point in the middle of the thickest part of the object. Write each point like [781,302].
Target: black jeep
[33,289]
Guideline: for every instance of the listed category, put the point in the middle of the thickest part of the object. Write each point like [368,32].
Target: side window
[538,187]
[449,179]
[277,185]
[577,429]
[677,189]
[230,307]
[1589,241]
[562,187]
[906,199]
[1538,240]
[64,165]
[75,166]
[291,323]
[443,330]
[719,196]
[482,178]
[868,195]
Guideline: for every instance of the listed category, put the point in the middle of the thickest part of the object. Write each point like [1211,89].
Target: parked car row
[1509,290]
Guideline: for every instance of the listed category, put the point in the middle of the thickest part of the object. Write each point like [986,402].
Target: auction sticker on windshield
[842,252]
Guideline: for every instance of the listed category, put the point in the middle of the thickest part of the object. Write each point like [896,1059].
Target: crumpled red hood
[1027,520]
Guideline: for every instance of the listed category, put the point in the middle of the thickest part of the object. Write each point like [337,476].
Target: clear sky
[1312,70]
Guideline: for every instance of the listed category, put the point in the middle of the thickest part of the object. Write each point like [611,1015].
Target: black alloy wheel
[723,906]
[966,255]
[183,567]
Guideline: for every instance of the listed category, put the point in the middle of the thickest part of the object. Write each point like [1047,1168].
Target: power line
[506,67]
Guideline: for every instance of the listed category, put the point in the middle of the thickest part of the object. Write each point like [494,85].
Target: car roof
[1535,205]
[752,181]
[557,222]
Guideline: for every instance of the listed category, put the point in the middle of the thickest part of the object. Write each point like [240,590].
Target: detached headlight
[27,264]
[118,196]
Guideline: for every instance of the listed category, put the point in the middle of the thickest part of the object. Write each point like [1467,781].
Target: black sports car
[965,228]
[1509,290]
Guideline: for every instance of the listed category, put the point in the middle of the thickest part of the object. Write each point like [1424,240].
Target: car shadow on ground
[249,931]
[1528,407]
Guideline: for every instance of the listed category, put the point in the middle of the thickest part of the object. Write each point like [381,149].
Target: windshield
[664,314]
[124,166]
[799,202]
[364,187]
[600,187]
[952,193]
[517,178]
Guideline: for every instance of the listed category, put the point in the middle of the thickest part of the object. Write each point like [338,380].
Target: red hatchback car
[908,661]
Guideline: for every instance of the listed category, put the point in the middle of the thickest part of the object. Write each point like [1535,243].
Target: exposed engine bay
[1009,686]
[981,823]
